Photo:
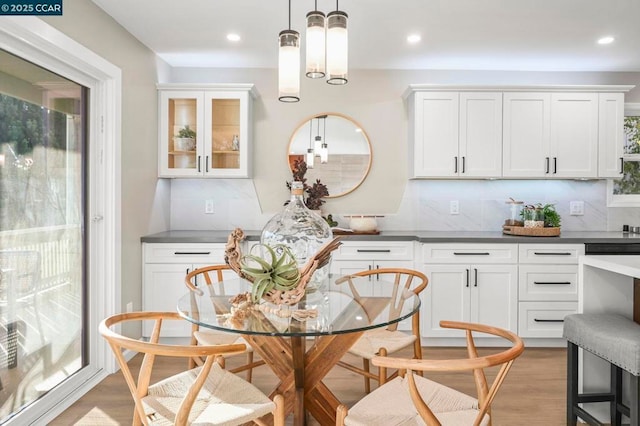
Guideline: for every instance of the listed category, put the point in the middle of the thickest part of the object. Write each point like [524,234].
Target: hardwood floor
[532,394]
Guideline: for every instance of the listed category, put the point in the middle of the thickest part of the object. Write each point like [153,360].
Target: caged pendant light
[337,47]
[289,64]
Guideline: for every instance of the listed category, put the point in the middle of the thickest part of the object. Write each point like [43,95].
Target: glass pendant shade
[324,153]
[310,158]
[315,44]
[289,66]
[337,47]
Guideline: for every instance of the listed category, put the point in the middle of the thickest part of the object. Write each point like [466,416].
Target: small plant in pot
[185,140]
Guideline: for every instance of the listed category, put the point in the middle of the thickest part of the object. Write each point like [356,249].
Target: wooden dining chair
[205,278]
[412,400]
[385,341]
[206,395]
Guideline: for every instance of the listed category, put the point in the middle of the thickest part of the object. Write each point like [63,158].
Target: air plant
[278,272]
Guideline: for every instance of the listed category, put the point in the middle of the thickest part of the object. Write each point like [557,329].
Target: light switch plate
[208,207]
[454,207]
[576,208]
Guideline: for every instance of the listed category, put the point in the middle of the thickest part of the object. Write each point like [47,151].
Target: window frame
[627,200]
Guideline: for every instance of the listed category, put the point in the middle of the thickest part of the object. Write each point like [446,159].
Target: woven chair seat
[224,400]
[391,405]
[372,340]
[209,337]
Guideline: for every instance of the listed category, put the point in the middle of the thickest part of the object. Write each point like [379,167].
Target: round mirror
[336,150]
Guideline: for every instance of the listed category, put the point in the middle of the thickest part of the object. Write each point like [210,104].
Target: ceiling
[527,35]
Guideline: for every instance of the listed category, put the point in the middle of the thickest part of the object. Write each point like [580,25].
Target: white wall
[374,99]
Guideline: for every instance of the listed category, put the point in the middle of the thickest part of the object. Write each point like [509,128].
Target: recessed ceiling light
[606,40]
[233,37]
[414,38]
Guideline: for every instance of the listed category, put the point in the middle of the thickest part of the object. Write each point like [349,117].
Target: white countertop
[625,265]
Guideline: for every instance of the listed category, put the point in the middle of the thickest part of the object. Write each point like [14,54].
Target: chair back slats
[423,409]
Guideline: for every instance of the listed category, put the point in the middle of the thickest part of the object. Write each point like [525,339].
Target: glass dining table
[329,319]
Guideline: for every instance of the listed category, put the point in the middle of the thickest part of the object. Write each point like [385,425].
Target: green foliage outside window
[630,182]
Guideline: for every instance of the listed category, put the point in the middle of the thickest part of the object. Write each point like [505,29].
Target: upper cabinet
[205,131]
[475,132]
[457,134]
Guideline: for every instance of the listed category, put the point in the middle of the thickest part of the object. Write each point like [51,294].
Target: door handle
[467,277]
[206,164]
[553,282]
[548,320]
[551,254]
[204,253]
[555,165]
[463,164]
[455,164]
[476,276]
[621,165]
[546,168]
[471,254]
[199,158]
[373,250]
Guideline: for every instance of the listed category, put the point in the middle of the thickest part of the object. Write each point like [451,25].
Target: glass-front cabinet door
[205,133]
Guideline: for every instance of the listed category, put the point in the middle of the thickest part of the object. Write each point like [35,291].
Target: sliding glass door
[43,333]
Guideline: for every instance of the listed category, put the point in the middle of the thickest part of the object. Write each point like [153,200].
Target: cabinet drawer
[543,319]
[184,253]
[551,253]
[383,250]
[548,282]
[469,253]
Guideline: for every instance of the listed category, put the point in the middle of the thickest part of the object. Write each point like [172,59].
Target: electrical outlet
[576,208]
[208,207]
[454,207]
[130,307]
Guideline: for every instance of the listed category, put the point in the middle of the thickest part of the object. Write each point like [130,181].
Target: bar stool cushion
[610,336]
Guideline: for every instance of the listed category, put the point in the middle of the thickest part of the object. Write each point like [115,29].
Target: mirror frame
[357,125]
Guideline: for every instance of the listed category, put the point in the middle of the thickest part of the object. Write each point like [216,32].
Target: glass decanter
[300,229]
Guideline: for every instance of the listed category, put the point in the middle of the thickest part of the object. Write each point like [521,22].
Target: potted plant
[314,192]
[185,140]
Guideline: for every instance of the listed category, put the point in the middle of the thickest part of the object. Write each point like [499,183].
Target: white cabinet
[548,288]
[356,256]
[550,135]
[164,269]
[610,135]
[220,116]
[456,134]
[469,282]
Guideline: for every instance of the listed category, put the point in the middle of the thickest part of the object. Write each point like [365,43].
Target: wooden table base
[301,371]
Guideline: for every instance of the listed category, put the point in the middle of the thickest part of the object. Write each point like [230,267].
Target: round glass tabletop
[341,305]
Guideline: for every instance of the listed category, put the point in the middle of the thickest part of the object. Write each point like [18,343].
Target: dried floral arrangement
[314,192]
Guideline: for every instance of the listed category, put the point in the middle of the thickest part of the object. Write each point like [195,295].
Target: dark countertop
[420,236]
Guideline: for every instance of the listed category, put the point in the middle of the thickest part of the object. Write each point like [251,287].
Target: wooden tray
[530,232]
[341,232]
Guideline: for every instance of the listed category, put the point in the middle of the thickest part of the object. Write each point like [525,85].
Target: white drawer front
[551,253]
[382,250]
[548,282]
[184,253]
[543,319]
[469,253]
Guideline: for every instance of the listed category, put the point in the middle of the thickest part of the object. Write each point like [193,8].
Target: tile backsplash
[425,205]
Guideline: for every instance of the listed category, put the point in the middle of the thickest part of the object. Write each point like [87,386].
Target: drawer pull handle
[548,320]
[373,251]
[537,253]
[553,282]
[191,252]
[471,254]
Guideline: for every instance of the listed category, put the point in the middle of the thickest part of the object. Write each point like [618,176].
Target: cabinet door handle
[377,275]
[546,168]
[373,250]
[471,254]
[463,164]
[553,282]
[551,254]
[476,277]
[179,253]
[548,320]
[369,268]
[621,165]
[455,164]
[206,164]
[467,277]
[555,165]
[199,158]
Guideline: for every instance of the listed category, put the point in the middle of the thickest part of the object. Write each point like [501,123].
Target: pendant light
[315,43]
[310,158]
[337,47]
[324,148]
[289,64]
[317,144]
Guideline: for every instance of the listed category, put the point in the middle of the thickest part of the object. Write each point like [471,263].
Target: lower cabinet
[485,291]
[165,267]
